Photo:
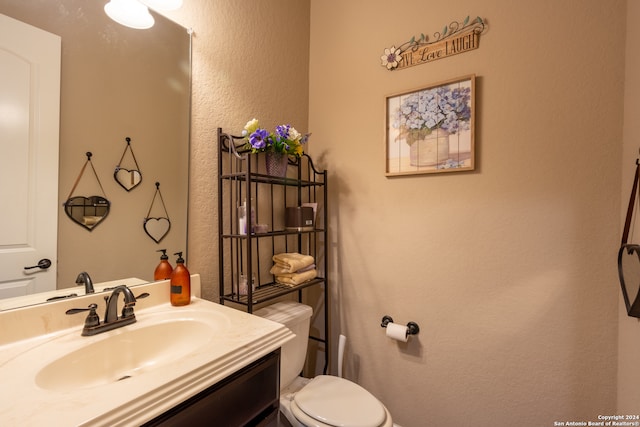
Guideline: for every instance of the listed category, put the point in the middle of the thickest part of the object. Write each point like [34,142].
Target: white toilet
[324,401]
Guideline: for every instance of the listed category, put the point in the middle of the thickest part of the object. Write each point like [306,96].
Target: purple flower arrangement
[285,140]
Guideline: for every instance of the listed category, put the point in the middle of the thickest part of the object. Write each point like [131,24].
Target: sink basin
[125,376]
[124,354]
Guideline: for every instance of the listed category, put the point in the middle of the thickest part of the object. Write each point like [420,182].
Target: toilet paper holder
[412,327]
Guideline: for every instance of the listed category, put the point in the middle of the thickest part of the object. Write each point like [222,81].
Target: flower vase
[431,150]
[276,164]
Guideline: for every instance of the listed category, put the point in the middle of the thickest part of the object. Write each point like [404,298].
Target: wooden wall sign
[455,38]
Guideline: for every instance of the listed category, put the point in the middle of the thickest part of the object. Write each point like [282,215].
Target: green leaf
[466,21]
[480,20]
[445,30]
[413,40]
[422,37]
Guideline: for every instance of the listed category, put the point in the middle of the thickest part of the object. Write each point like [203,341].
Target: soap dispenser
[163,270]
[180,283]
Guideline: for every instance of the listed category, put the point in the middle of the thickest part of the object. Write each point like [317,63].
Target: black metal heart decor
[87,211]
[128,179]
[157,228]
[629,256]
[629,272]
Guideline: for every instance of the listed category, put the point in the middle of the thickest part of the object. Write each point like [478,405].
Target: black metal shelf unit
[242,179]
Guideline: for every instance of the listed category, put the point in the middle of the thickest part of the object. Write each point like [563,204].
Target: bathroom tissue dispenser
[399,332]
[299,218]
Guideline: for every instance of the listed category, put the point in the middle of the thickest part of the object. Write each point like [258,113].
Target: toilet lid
[339,402]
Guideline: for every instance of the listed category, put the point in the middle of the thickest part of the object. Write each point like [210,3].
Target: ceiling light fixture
[163,5]
[130,13]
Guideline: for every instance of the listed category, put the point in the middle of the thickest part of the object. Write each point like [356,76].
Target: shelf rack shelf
[243,179]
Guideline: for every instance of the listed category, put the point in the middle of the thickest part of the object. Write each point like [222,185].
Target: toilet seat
[332,401]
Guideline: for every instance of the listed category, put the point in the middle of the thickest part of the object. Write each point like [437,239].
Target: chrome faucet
[92,324]
[85,279]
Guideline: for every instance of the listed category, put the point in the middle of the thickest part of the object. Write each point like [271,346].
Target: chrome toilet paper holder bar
[412,327]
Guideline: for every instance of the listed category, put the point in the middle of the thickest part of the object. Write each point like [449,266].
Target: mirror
[128,178]
[157,228]
[118,83]
[87,212]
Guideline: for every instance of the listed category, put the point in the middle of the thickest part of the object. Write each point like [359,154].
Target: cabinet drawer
[249,397]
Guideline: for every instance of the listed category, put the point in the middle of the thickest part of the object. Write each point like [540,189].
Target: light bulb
[130,13]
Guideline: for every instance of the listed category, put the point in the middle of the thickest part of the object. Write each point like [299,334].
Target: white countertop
[135,400]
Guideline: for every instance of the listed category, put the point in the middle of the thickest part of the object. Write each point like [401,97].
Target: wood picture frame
[431,129]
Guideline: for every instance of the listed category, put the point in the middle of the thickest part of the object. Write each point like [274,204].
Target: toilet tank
[296,317]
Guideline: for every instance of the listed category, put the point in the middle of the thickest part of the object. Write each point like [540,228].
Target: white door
[29,129]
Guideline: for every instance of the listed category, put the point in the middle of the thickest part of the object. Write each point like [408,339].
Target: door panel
[29,132]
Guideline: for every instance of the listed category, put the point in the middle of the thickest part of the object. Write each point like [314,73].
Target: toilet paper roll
[397,332]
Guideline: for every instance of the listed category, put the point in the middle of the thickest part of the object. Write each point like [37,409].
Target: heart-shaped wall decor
[87,211]
[157,228]
[128,179]
[629,272]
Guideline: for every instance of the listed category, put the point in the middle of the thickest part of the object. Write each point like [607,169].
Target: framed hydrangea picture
[431,129]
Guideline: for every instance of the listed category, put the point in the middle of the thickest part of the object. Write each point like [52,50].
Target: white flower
[391,58]
[250,127]
[294,135]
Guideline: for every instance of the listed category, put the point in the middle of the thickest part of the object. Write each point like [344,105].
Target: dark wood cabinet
[249,397]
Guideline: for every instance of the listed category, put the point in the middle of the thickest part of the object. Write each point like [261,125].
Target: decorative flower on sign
[442,107]
[285,140]
[391,58]
[423,49]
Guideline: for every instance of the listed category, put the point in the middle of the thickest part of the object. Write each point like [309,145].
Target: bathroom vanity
[203,363]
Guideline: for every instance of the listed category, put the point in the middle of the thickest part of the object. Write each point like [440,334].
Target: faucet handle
[127,310]
[80,310]
[92,318]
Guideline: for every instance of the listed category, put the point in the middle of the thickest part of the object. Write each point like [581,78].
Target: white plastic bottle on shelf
[242,218]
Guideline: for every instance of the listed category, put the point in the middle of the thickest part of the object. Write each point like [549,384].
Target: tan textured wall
[509,270]
[250,59]
[629,327]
